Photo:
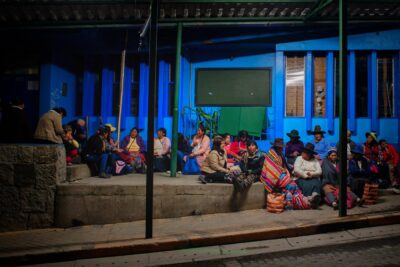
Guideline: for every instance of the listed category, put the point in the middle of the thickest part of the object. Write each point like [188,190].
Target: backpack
[122,168]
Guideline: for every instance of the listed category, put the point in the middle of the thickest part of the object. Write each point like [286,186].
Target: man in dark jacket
[97,156]
[15,127]
[251,165]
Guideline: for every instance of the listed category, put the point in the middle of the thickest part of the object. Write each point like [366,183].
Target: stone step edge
[138,246]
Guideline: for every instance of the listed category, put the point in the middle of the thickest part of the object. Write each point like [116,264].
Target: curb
[119,248]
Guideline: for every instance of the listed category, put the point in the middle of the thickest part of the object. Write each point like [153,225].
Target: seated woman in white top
[201,145]
[308,170]
[162,151]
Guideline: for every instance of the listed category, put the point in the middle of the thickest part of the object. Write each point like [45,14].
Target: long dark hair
[217,141]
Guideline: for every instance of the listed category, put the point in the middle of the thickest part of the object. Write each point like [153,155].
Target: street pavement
[373,246]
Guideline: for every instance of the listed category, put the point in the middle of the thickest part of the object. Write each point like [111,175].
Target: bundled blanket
[273,174]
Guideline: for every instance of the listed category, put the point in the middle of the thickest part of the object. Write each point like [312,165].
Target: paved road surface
[374,246]
[384,252]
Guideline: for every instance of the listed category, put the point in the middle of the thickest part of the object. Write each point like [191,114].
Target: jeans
[102,161]
[181,162]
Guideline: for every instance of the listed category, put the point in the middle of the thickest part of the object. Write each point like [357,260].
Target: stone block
[77,172]
[33,200]
[40,220]
[8,153]
[9,199]
[25,154]
[6,174]
[24,175]
[46,176]
[46,154]
[13,221]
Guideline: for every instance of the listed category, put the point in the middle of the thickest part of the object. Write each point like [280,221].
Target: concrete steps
[77,172]
[123,199]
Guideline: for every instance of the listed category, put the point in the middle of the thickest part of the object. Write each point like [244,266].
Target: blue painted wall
[52,78]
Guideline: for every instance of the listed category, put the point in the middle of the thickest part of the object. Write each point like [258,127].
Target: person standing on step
[321,145]
[49,129]
[293,148]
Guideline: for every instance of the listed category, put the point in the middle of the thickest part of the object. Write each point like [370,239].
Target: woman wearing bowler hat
[308,170]
[293,148]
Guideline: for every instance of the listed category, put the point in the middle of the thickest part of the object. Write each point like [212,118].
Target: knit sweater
[302,166]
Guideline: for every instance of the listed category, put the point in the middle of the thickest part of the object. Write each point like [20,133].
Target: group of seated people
[304,173]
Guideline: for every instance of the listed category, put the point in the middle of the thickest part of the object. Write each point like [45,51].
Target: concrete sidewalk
[128,238]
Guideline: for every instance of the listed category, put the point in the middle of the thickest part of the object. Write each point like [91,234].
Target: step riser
[114,204]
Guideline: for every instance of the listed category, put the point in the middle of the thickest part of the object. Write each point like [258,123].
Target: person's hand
[308,174]
[119,150]
[195,143]
[296,153]
[192,155]
[318,157]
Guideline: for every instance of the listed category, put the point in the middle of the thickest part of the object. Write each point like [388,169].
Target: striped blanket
[273,175]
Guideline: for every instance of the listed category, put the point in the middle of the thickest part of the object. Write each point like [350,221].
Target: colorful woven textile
[273,175]
[299,201]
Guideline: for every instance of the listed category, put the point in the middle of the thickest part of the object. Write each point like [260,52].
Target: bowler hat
[309,148]
[317,130]
[293,134]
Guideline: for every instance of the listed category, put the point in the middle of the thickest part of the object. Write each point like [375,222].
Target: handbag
[191,166]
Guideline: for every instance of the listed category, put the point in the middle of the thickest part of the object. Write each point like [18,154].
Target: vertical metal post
[176,100]
[343,107]
[150,117]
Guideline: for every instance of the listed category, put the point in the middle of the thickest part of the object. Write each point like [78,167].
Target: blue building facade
[87,86]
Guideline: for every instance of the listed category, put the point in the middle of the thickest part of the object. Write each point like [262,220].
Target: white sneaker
[179,172]
[168,172]
[396,191]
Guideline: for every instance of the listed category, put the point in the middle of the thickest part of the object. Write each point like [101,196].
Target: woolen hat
[278,142]
[293,134]
[310,149]
[317,130]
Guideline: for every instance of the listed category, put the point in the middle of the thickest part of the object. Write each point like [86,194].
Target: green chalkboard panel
[233,87]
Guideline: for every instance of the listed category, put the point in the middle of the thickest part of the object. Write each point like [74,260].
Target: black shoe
[104,175]
[315,200]
[202,179]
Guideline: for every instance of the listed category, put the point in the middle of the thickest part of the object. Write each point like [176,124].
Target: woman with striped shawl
[276,178]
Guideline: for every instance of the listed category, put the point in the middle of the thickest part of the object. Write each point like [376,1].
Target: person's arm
[166,146]
[57,125]
[326,148]
[288,151]
[204,146]
[394,154]
[214,163]
[141,144]
[318,170]
[297,168]
[260,164]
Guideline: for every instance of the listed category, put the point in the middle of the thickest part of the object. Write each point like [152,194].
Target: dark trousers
[308,186]
[161,164]
[216,177]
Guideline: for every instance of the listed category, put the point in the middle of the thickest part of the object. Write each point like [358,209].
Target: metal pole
[150,117]
[121,87]
[176,100]
[343,107]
